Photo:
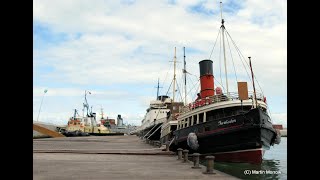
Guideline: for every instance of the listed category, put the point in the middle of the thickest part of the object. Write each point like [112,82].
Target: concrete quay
[110,157]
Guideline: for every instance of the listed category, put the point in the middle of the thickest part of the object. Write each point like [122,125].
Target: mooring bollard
[209,165]
[185,153]
[179,153]
[196,157]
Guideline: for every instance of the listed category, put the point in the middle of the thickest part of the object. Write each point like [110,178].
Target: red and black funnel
[206,78]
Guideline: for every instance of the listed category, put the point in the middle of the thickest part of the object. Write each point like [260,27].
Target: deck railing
[233,96]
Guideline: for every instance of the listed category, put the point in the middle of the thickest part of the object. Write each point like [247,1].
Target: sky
[118,50]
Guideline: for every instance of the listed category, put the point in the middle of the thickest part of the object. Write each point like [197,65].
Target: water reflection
[268,169]
[273,166]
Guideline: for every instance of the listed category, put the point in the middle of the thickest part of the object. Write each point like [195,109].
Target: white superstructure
[157,112]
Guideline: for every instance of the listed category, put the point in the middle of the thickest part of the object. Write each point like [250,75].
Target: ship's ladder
[171,141]
[154,132]
[149,132]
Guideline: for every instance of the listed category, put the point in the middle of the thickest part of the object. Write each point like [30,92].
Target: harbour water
[274,165]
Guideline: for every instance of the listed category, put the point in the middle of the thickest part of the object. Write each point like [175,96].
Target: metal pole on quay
[45,91]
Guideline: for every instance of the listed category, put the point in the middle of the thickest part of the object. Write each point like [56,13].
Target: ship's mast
[75,114]
[158,89]
[101,113]
[224,51]
[185,76]
[254,88]
[174,74]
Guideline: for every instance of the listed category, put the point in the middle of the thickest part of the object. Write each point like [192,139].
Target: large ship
[118,128]
[233,126]
[83,126]
[158,112]
[86,125]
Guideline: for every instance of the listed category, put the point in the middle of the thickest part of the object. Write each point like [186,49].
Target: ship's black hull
[247,132]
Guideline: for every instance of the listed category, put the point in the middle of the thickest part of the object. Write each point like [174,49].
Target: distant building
[278,126]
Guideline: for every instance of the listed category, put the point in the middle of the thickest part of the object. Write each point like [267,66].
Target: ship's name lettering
[226,122]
